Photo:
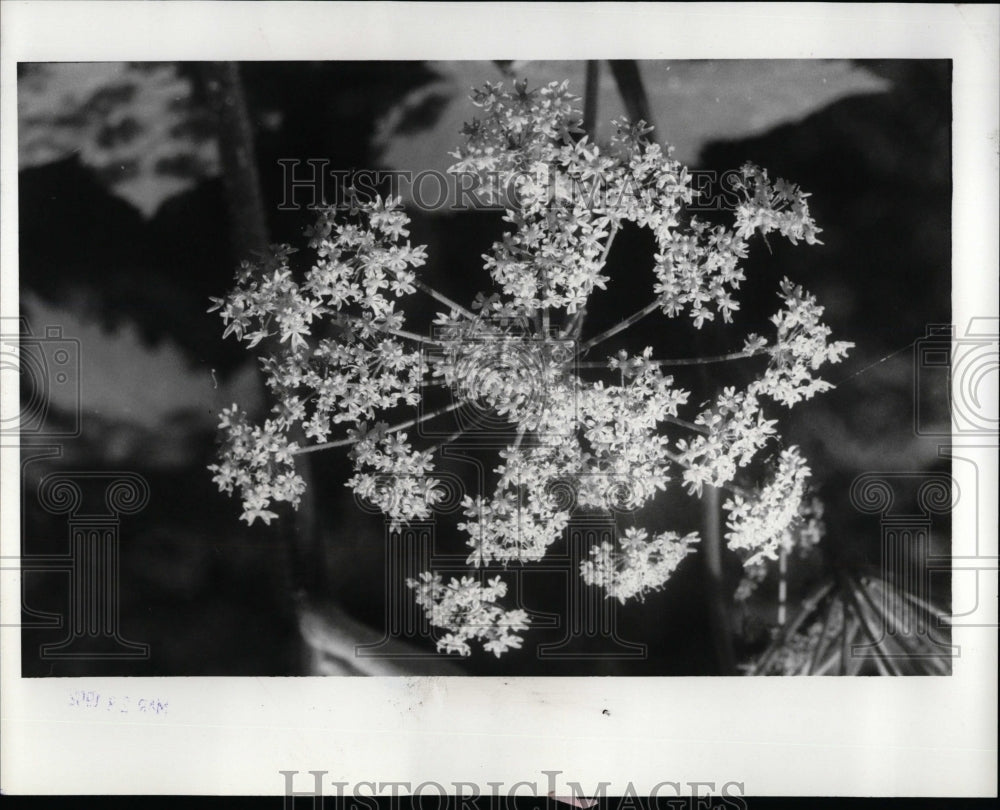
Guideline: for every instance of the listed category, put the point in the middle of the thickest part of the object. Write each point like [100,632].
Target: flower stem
[674,420]
[416,420]
[717,358]
[687,361]
[444,299]
[414,337]
[782,586]
[718,603]
[444,442]
[607,245]
[635,317]
[629,80]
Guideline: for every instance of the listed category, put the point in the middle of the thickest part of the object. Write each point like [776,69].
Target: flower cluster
[621,428]
[779,207]
[800,349]
[337,355]
[639,565]
[467,609]
[803,535]
[697,269]
[341,364]
[761,524]
[257,461]
[565,196]
[392,475]
[733,430]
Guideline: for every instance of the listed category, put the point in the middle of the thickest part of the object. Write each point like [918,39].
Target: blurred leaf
[138,126]
[138,396]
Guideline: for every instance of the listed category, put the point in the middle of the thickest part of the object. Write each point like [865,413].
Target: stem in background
[782,586]
[910,647]
[249,234]
[809,604]
[413,336]
[675,420]
[416,420]
[248,224]
[590,98]
[458,434]
[845,645]
[718,615]
[823,638]
[629,80]
[882,661]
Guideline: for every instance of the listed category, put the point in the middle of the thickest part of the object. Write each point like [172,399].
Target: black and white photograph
[591,403]
[467,375]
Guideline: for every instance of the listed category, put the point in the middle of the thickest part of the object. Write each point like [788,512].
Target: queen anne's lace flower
[761,523]
[639,565]
[258,462]
[338,358]
[802,534]
[467,608]
[800,349]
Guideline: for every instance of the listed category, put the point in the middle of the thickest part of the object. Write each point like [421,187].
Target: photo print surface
[598,367]
[554,400]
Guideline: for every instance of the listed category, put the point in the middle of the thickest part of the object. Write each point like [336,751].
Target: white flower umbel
[467,608]
[345,371]
[639,565]
[759,525]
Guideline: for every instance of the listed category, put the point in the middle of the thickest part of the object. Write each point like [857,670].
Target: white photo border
[773,736]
